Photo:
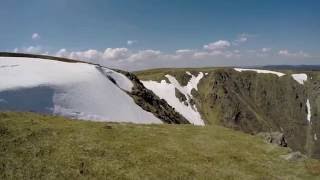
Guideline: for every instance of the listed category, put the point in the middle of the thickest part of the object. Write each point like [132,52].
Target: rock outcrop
[276,138]
[148,101]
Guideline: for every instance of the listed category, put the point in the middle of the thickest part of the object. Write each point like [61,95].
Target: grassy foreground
[45,147]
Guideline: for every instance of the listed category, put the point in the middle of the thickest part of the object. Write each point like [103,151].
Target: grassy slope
[159,74]
[35,146]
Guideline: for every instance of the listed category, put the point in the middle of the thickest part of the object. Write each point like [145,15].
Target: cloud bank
[217,53]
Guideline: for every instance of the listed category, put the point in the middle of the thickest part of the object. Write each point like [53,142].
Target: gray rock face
[276,138]
[254,103]
[180,96]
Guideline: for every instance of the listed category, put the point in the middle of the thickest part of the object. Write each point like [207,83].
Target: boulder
[276,138]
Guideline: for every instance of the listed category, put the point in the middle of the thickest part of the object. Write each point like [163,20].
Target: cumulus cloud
[116,53]
[131,42]
[221,44]
[35,36]
[125,55]
[144,55]
[110,54]
[90,54]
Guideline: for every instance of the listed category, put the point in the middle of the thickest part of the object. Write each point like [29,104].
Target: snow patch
[308,110]
[187,72]
[300,78]
[260,71]
[192,84]
[77,90]
[166,91]
[315,137]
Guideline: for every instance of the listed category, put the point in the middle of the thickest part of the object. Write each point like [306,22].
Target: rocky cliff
[257,101]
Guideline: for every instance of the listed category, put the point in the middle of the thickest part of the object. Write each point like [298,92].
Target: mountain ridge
[256,101]
[250,100]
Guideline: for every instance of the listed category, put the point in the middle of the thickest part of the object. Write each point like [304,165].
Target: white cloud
[90,54]
[217,51]
[62,53]
[35,36]
[215,54]
[116,53]
[286,53]
[222,52]
[184,51]
[145,55]
[265,50]
[131,42]
[110,54]
[125,55]
[33,49]
[242,38]
[221,44]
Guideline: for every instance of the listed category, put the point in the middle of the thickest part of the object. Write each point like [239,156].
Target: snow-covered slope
[78,90]
[260,71]
[166,91]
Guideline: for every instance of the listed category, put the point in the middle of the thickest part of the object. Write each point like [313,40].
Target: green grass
[178,73]
[47,147]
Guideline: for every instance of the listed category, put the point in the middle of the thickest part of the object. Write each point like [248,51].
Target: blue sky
[135,34]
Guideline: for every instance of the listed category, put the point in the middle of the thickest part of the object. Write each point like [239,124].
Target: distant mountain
[294,67]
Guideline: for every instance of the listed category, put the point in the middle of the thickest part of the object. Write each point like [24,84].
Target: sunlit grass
[35,146]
